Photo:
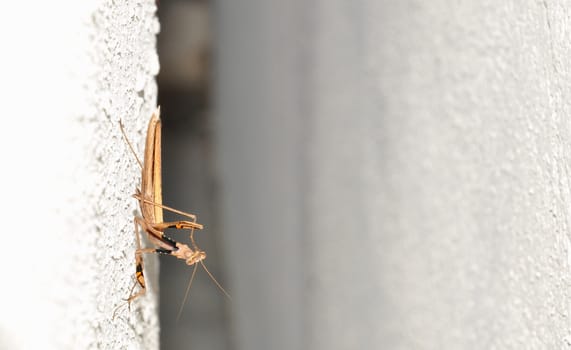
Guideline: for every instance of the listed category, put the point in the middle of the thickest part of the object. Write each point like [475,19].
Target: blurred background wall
[372,174]
[189,175]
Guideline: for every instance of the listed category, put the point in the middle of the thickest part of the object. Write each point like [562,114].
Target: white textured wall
[69,71]
[404,178]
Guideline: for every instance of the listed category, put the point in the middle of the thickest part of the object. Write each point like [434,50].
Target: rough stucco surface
[436,204]
[125,52]
[71,259]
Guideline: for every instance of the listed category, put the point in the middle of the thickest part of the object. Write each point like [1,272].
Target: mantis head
[190,256]
[195,257]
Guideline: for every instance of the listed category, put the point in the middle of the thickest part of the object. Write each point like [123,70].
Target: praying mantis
[151,219]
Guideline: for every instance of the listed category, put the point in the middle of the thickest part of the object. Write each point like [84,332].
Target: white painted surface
[404,179]
[69,71]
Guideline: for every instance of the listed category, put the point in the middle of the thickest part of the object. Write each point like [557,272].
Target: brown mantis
[151,219]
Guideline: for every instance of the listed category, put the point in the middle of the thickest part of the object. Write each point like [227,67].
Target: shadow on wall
[188,178]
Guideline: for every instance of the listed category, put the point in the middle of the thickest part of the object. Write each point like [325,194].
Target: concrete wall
[70,70]
[396,173]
